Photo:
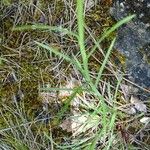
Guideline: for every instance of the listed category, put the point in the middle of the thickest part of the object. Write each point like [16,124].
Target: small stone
[145,120]
[138,105]
[130,110]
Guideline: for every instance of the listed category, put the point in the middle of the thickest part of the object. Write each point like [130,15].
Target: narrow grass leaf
[67,103]
[117,88]
[17,144]
[110,96]
[55,51]
[75,145]
[78,65]
[108,32]
[111,129]
[80,20]
[50,138]
[104,63]
[44,27]
[56,89]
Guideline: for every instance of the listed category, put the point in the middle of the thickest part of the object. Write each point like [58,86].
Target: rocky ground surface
[133,41]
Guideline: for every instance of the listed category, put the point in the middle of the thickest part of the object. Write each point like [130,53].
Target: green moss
[99,19]
[31,64]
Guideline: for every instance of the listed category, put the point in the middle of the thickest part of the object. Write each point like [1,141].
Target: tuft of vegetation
[60,87]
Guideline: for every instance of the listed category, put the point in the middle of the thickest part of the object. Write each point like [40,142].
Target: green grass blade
[80,20]
[78,65]
[56,89]
[108,32]
[111,129]
[104,62]
[117,88]
[17,144]
[60,114]
[55,51]
[44,27]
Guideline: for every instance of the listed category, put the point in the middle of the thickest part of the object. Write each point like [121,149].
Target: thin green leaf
[111,129]
[108,32]
[104,63]
[80,20]
[55,51]
[67,103]
[56,89]
[44,27]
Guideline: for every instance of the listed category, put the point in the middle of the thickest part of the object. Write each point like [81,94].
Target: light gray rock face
[133,40]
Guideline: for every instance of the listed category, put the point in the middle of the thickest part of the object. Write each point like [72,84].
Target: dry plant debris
[24,67]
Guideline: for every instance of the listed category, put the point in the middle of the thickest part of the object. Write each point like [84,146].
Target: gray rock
[133,40]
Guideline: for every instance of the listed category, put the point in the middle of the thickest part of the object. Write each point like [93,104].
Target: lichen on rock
[133,40]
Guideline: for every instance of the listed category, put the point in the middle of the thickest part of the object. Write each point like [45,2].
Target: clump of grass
[101,134]
[19,133]
[107,124]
